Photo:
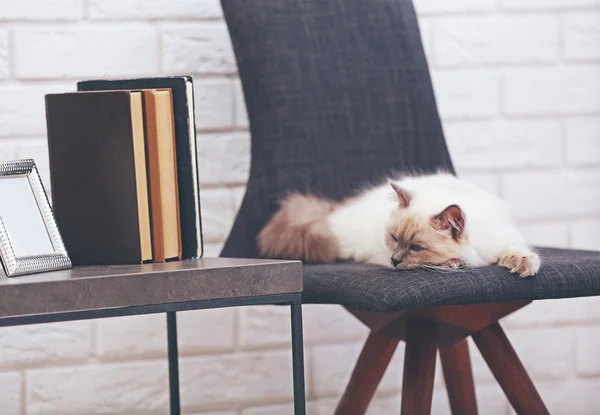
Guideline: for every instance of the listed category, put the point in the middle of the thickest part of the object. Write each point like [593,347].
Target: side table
[111,291]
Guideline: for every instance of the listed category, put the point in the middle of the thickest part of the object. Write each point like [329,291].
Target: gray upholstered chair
[338,94]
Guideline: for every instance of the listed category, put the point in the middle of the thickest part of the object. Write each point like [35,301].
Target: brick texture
[4,62]
[217,213]
[214,104]
[518,88]
[579,190]
[582,34]
[61,343]
[212,249]
[458,6]
[571,396]
[240,114]
[468,94]
[496,39]
[583,141]
[587,359]
[506,145]
[544,354]
[213,413]
[526,5]
[36,10]
[547,234]
[155,9]
[224,158]
[311,408]
[85,52]
[10,395]
[585,234]
[137,387]
[332,366]
[269,326]
[219,380]
[573,90]
[562,313]
[197,47]
[145,336]
[22,109]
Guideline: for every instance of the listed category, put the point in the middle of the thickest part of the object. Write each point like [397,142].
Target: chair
[339,95]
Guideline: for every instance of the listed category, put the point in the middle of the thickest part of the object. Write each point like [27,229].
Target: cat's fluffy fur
[429,221]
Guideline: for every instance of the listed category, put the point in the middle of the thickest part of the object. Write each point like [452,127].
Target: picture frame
[30,241]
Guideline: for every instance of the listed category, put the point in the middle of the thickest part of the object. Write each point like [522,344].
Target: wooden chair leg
[370,368]
[419,366]
[509,371]
[458,375]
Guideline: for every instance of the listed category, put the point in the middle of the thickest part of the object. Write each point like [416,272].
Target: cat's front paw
[521,261]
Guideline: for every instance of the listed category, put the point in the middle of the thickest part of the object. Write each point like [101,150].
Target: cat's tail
[299,230]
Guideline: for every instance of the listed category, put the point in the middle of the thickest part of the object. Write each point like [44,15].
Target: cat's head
[416,238]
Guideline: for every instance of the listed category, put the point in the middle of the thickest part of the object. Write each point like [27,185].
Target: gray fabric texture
[564,273]
[339,95]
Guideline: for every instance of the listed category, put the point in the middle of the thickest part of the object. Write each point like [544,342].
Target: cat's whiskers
[438,268]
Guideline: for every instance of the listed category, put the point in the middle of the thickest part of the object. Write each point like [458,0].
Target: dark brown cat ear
[403,196]
[452,220]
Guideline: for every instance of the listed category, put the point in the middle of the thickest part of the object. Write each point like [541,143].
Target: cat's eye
[416,248]
[394,237]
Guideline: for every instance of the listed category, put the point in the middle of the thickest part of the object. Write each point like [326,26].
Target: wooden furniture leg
[370,368]
[419,366]
[446,328]
[456,364]
[509,371]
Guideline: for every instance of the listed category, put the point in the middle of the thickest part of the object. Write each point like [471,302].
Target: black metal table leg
[173,362]
[298,357]
[294,300]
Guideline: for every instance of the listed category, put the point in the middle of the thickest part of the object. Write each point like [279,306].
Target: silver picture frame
[57,257]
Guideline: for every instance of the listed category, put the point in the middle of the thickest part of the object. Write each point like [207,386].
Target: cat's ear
[452,220]
[403,196]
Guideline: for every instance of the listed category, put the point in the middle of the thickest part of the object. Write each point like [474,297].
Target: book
[162,175]
[185,142]
[98,177]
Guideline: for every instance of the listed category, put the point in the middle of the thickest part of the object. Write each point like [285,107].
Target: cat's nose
[395,261]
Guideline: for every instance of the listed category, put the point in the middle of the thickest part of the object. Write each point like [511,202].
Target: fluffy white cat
[426,221]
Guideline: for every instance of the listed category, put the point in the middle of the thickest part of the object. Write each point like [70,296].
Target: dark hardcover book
[98,176]
[185,139]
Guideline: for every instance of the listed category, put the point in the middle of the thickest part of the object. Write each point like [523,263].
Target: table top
[114,286]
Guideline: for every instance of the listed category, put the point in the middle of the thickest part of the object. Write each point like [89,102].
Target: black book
[185,140]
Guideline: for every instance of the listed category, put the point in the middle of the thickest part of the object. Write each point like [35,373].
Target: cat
[434,221]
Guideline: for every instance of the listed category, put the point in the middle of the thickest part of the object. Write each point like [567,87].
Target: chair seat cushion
[564,273]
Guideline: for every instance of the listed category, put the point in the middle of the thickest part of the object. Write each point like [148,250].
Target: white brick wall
[518,86]
[47,52]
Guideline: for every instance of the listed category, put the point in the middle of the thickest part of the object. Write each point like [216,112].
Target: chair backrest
[338,95]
